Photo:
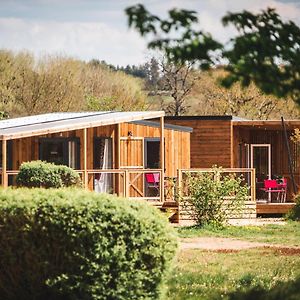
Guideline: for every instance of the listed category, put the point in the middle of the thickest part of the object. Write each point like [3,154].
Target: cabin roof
[166,126]
[66,121]
[209,117]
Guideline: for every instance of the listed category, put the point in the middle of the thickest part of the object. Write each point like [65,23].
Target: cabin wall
[177,145]
[279,154]
[210,142]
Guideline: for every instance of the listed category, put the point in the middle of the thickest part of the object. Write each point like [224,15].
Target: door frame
[268,146]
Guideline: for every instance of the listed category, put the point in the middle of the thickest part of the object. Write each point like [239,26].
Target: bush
[47,175]
[284,290]
[294,213]
[213,197]
[74,244]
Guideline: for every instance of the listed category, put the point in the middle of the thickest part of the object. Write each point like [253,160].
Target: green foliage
[192,45]
[266,52]
[283,290]
[74,244]
[294,213]
[47,175]
[214,197]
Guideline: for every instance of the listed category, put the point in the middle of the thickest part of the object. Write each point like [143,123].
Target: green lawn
[200,274]
[288,234]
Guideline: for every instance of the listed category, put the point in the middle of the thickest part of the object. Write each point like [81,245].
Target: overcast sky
[88,29]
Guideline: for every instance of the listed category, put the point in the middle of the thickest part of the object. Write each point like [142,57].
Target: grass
[288,234]
[200,274]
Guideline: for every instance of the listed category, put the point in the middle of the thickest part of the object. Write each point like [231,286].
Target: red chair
[272,186]
[282,185]
[152,180]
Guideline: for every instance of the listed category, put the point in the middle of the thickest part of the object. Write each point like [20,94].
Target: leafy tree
[192,45]
[266,51]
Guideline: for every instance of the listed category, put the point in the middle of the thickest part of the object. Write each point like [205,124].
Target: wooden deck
[273,208]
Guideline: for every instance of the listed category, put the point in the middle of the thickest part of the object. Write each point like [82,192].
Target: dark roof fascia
[215,118]
[166,126]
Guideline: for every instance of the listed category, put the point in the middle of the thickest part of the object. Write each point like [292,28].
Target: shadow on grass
[282,291]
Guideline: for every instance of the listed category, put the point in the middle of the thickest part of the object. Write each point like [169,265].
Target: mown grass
[288,234]
[213,275]
[202,275]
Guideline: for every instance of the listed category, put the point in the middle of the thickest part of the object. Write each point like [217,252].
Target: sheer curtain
[103,181]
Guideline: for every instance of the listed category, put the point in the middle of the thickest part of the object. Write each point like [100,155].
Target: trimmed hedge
[42,174]
[74,244]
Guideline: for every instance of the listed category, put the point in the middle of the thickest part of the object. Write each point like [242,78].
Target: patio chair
[272,186]
[152,180]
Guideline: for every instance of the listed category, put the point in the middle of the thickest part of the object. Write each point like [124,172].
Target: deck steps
[273,208]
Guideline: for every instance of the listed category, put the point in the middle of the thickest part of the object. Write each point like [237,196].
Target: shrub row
[47,175]
[75,244]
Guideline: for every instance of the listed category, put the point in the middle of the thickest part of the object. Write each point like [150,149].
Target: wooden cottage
[233,142]
[115,152]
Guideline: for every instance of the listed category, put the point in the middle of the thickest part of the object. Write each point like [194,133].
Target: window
[103,182]
[61,151]
[152,153]
[8,155]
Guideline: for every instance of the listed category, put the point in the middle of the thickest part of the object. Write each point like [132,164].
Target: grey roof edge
[64,125]
[216,118]
[166,126]
[206,118]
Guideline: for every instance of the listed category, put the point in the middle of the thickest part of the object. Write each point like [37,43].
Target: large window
[61,151]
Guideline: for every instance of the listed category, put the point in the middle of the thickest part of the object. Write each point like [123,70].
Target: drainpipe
[289,155]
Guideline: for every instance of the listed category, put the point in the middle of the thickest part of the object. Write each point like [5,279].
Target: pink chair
[152,180]
[272,186]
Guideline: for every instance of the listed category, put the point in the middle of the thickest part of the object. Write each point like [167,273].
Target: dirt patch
[285,251]
[213,243]
[227,245]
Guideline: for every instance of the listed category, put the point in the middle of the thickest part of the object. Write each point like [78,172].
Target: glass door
[260,159]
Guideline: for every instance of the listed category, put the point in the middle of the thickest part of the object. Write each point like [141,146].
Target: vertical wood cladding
[177,146]
[210,142]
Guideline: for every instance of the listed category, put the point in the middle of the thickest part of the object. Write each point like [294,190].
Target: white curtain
[103,183]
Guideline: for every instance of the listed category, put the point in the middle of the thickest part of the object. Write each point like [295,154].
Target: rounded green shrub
[74,244]
[294,213]
[42,174]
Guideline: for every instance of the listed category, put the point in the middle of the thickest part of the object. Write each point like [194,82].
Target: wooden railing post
[127,184]
[162,158]
[85,173]
[4,166]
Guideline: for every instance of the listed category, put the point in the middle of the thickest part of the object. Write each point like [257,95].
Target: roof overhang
[73,123]
[267,124]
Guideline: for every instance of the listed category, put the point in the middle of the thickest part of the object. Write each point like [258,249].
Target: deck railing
[130,183]
[247,175]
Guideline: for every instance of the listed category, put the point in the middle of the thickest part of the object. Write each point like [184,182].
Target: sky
[97,29]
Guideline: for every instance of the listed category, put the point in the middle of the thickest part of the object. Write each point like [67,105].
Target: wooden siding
[211,142]
[279,156]
[177,146]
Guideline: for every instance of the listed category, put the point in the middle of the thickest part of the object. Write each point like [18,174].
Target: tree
[193,45]
[177,82]
[208,97]
[266,51]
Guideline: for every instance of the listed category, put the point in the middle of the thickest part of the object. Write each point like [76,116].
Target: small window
[152,153]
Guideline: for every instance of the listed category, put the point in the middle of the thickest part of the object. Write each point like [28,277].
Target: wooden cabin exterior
[119,147]
[238,143]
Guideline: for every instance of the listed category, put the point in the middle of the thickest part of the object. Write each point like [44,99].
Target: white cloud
[97,29]
[84,40]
